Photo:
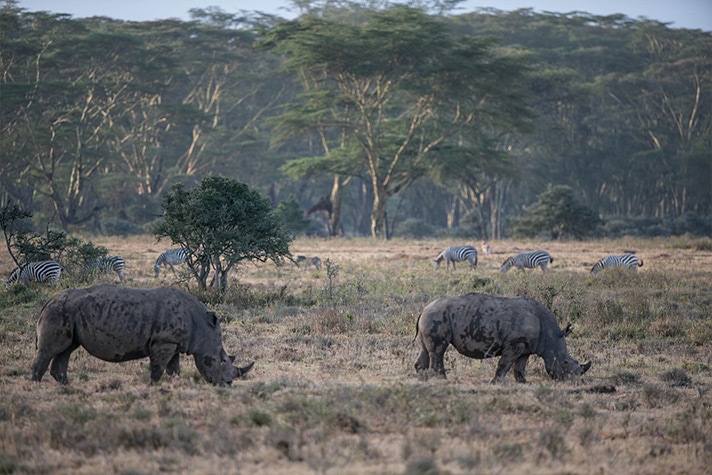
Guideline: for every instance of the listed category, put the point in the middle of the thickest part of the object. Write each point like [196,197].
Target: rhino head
[220,370]
[557,360]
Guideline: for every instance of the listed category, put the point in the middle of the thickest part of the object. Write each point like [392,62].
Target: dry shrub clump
[334,389]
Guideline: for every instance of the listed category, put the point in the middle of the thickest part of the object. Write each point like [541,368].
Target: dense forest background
[384,120]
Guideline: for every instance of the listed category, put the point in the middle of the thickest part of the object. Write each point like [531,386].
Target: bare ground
[334,389]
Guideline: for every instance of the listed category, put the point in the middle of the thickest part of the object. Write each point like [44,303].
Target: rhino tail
[416,328]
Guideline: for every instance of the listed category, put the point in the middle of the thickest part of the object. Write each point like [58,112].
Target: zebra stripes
[43,271]
[109,263]
[630,261]
[457,254]
[530,260]
[169,258]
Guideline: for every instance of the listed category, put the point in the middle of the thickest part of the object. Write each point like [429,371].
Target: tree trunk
[378,211]
[337,198]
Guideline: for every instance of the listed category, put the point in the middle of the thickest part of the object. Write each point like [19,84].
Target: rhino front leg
[173,366]
[58,370]
[519,367]
[160,357]
[511,353]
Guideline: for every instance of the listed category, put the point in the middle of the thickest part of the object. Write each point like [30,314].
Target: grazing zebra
[630,261]
[109,263]
[315,261]
[169,258]
[39,271]
[457,254]
[528,259]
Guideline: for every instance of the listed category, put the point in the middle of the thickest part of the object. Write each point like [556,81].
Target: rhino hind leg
[423,361]
[437,362]
[58,369]
[40,365]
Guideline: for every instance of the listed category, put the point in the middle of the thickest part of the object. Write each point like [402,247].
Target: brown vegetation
[334,389]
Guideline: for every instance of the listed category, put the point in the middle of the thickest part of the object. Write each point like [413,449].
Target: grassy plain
[334,390]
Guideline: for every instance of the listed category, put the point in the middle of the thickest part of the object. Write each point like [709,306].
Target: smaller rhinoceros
[483,326]
[120,324]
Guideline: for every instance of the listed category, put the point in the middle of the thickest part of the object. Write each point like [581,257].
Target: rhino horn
[243,371]
[585,367]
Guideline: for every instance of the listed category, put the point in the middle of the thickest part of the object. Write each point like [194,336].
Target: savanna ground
[334,389]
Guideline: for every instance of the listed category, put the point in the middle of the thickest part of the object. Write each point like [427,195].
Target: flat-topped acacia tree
[220,224]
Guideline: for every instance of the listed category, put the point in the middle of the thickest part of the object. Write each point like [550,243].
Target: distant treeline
[390,119]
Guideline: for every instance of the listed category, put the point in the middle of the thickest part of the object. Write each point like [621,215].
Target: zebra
[109,263]
[315,261]
[630,261]
[528,259]
[169,257]
[457,254]
[42,271]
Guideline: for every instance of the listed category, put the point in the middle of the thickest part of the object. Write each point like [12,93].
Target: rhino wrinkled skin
[118,324]
[484,326]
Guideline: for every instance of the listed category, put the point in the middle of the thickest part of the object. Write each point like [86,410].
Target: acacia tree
[393,92]
[220,224]
[557,215]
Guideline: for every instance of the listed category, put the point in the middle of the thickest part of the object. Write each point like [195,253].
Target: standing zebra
[630,261]
[457,254]
[38,271]
[109,263]
[169,258]
[528,259]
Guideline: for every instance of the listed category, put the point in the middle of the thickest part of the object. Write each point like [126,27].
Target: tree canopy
[458,120]
[220,224]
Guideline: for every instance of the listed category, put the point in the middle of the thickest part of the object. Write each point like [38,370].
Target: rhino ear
[214,320]
[566,331]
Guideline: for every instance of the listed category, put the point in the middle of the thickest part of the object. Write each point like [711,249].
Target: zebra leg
[58,370]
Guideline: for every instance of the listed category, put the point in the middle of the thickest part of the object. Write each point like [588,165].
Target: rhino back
[120,323]
[481,324]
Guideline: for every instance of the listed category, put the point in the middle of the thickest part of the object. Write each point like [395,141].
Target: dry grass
[334,390]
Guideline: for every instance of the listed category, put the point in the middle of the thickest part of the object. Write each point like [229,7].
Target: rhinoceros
[483,326]
[118,324]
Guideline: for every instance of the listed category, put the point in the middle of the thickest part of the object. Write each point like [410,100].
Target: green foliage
[222,223]
[26,246]
[557,215]
[292,216]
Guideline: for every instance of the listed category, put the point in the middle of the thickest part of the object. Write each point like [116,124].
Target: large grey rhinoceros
[121,323]
[483,326]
